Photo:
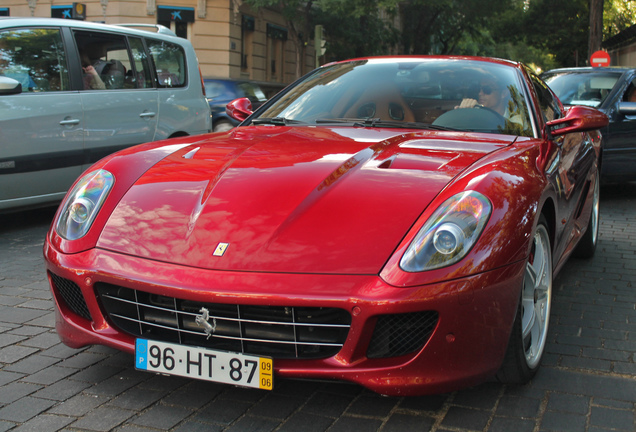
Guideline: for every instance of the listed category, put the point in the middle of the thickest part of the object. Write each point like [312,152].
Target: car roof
[407,58]
[589,69]
[160,31]
[234,80]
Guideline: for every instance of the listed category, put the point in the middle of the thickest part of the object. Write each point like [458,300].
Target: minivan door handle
[69,122]
[147,114]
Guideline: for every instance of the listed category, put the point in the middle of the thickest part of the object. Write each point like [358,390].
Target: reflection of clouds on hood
[143,232]
[309,211]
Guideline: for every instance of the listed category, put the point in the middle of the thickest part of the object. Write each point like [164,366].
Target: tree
[563,32]
[618,15]
[596,27]
[357,28]
[439,26]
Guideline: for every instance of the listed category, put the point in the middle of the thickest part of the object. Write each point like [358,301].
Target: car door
[41,128]
[619,139]
[573,159]
[122,109]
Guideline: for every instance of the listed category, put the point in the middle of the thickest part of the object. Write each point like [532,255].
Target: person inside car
[494,95]
[490,96]
[92,80]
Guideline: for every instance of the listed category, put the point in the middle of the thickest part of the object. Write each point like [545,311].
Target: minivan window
[106,64]
[141,78]
[34,57]
[170,63]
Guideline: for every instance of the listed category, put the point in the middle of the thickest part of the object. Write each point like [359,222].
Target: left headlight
[83,203]
[449,234]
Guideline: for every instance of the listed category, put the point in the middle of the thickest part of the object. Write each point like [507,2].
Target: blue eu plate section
[141,354]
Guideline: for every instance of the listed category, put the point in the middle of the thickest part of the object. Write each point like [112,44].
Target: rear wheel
[530,329]
[587,244]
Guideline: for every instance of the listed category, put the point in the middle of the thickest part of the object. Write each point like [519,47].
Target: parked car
[394,222]
[221,91]
[612,91]
[74,92]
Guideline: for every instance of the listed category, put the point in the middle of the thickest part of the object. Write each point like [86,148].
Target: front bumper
[466,346]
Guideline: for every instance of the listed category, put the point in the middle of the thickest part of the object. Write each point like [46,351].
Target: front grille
[401,334]
[274,331]
[72,295]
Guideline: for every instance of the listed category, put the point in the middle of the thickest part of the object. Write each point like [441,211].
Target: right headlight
[83,203]
[449,234]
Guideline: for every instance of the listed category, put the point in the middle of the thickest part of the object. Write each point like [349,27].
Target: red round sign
[600,58]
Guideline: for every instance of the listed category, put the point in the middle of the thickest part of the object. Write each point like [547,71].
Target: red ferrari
[394,222]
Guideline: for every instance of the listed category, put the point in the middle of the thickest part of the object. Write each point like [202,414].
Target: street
[587,381]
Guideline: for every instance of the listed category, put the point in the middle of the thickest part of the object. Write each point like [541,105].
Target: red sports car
[394,222]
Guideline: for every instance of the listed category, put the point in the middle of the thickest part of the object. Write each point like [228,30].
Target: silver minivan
[72,92]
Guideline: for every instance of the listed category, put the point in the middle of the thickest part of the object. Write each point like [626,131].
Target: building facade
[622,48]
[231,39]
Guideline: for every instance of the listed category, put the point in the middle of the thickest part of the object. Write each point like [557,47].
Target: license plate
[205,364]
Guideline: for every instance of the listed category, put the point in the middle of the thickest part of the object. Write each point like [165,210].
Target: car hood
[289,199]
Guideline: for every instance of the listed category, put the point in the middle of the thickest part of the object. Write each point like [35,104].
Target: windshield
[582,88]
[450,94]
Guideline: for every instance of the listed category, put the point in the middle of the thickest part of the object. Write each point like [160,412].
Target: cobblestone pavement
[587,382]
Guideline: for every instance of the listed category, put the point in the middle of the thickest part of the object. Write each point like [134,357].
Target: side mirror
[578,119]
[239,109]
[9,86]
[627,108]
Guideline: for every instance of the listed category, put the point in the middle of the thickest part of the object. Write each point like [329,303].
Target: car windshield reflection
[462,95]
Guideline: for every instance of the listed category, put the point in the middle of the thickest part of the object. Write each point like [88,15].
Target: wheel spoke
[527,323]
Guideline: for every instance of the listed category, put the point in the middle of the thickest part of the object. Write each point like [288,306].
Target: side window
[170,63]
[141,77]
[35,58]
[253,92]
[630,93]
[550,108]
[106,63]
[216,89]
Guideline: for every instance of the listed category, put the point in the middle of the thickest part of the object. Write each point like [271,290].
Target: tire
[223,126]
[587,244]
[530,328]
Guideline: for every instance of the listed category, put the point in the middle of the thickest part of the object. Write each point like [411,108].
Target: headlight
[449,234]
[83,203]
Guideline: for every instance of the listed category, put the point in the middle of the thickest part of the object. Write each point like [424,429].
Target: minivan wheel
[530,329]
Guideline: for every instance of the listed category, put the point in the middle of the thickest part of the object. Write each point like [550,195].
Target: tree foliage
[560,27]
[618,15]
[542,33]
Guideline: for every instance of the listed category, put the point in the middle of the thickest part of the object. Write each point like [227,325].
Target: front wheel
[530,329]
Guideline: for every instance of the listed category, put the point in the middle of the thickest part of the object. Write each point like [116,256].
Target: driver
[496,97]
[490,96]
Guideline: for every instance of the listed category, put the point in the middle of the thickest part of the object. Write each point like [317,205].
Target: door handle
[147,114]
[69,122]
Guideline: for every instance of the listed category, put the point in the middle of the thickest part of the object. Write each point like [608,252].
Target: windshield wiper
[278,121]
[376,122]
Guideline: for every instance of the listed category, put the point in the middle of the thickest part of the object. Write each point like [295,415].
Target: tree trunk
[596,26]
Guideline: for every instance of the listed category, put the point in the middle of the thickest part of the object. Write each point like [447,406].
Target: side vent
[72,296]
[401,334]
